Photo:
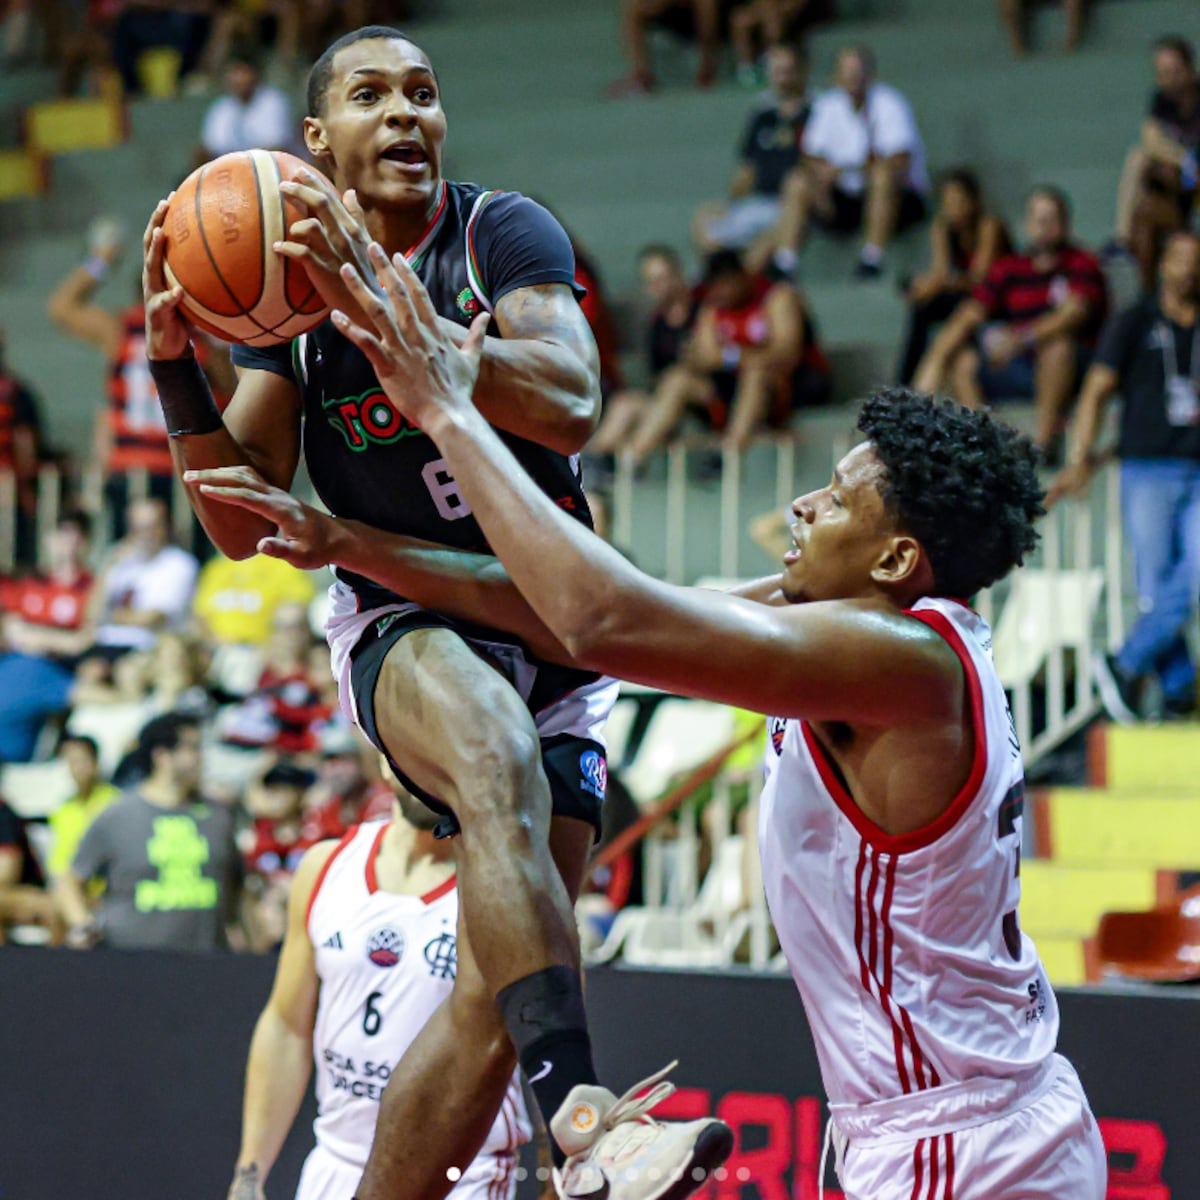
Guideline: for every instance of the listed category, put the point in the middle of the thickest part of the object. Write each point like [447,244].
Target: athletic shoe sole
[1110,691]
[712,1148]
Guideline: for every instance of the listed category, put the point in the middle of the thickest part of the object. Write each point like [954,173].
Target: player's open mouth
[408,156]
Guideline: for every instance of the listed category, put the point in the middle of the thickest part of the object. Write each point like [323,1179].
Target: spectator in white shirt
[147,586]
[864,164]
[252,115]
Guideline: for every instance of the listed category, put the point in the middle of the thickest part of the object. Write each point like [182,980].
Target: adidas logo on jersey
[333,943]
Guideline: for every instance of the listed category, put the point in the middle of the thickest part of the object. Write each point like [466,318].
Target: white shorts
[999,1140]
[327,1177]
[744,220]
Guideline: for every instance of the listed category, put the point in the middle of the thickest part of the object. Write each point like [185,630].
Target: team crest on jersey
[776,728]
[468,304]
[385,947]
[442,956]
[594,770]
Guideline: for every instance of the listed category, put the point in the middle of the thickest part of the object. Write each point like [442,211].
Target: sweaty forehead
[386,55]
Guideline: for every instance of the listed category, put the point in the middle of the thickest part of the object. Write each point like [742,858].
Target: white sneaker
[616,1151]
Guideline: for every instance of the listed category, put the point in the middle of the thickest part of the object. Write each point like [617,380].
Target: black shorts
[849,208]
[576,766]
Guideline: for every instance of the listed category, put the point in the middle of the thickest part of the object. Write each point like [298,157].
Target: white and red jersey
[906,950]
[385,963]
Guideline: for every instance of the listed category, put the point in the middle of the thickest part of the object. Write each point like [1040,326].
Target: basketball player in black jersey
[450,704]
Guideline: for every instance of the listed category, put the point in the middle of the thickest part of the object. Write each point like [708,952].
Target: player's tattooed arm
[542,379]
[247,1184]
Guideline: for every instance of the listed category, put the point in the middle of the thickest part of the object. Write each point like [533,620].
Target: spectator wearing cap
[167,858]
[1158,188]
[863,167]
[1150,354]
[769,152]
[753,359]
[252,115]
[1028,328]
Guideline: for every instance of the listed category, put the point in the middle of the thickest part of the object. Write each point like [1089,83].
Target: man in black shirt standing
[1150,353]
[452,705]
[769,151]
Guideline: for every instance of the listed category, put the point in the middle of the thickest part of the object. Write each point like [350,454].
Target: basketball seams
[288,265]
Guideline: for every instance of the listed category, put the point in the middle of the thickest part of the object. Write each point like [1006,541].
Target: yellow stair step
[60,126]
[22,174]
[1065,960]
[1146,758]
[1059,899]
[1100,828]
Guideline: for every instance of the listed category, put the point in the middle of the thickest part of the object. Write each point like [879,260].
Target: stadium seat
[1145,758]
[1160,945]
[1063,900]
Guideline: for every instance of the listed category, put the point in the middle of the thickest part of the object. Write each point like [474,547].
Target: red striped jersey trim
[418,248]
[372,882]
[347,838]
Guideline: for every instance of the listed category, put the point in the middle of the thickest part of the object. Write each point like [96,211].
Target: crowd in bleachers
[156,680]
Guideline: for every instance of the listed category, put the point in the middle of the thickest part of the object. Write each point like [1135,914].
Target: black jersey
[368,462]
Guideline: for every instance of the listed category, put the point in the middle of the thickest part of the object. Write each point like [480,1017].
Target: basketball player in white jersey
[370,952]
[890,824]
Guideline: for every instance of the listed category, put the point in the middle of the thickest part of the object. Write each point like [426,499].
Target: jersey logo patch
[368,420]
[467,303]
[385,947]
[333,943]
[442,956]
[777,727]
[594,770]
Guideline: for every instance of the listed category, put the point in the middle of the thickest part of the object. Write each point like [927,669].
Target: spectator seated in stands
[864,166]
[272,847]
[147,586]
[167,858]
[1150,353]
[92,795]
[1028,328]
[23,896]
[769,152]
[130,435]
[965,239]
[252,115]
[45,614]
[757,27]
[259,23]
[1015,16]
[1159,182]
[20,438]
[179,25]
[698,20]
[754,358]
[289,706]
[349,787]
[675,306]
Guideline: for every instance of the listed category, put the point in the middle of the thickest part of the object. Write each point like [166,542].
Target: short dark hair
[660,250]
[163,733]
[962,483]
[81,739]
[247,53]
[321,74]
[720,264]
[864,54]
[1177,45]
[797,49]
[966,179]
[77,518]
[1056,195]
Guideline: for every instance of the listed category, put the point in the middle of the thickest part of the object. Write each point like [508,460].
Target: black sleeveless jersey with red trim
[369,463]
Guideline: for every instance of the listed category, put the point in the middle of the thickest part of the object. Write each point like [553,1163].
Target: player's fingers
[296,250]
[310,197]
[239,476]
[350,200]
[366,341]
[472,348]
[154,268]
[156,220]
[400,297]
[382,313]
[422,305]
[289,552]
[163,302]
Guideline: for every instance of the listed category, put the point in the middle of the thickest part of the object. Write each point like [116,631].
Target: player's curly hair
[963,484]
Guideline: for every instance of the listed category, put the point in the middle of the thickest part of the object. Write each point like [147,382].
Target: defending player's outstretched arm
[823,661]
[280,1060]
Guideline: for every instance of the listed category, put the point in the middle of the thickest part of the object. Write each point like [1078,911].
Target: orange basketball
[219,231]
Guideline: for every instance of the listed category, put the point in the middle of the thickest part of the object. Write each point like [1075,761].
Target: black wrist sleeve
[187,402]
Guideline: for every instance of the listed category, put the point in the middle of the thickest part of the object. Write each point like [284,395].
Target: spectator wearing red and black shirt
[1028,329]
[46,614]
[23,896]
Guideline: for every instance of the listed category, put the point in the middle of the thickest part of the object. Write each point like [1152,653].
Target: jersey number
[372,1017]
[443,491]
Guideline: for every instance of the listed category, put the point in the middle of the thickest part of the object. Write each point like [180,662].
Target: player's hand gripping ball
[220,230]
